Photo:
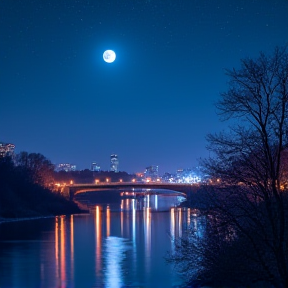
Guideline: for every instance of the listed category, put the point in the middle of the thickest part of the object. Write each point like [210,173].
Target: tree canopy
[247,215]
[40,168]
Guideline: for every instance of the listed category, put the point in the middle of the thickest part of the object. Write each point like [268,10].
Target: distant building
[188,176]
[95,167]
[114,163]
[6,149]
[151,173]
[65,167]
[168,177]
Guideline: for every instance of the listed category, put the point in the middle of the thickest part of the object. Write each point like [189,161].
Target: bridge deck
[178,187]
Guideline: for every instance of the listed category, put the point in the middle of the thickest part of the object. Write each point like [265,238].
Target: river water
[120,244]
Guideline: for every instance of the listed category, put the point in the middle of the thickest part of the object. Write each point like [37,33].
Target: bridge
[181,188]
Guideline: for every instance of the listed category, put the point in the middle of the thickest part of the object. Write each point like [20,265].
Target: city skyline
[7,149]
[154,105]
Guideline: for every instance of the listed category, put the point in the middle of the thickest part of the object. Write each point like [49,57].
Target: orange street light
[107,180]
[120,180]
[133,180]
[96,181]
[71,182]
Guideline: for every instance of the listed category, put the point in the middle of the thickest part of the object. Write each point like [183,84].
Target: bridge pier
[68,192]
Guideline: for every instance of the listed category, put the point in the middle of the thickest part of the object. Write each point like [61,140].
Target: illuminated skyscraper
[95,167]
[114,163]
[151,172]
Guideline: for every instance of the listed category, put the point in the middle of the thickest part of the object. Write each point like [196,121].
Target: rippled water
[106,248]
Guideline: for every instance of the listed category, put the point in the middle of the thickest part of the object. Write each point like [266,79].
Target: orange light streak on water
[108,221]
[57,247]
[62,253]
[122,216]
[72,244]
[98,240]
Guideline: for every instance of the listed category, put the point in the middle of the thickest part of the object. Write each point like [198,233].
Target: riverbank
[18,219]
[5,220]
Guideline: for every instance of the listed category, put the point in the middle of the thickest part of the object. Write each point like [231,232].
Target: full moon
[109,56]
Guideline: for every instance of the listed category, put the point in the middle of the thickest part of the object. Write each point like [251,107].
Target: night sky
[154,105]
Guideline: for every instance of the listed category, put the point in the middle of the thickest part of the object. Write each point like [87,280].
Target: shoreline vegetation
[244,242]
[24,192]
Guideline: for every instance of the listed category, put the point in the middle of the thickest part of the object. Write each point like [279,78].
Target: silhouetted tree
[248,209]
[38,165]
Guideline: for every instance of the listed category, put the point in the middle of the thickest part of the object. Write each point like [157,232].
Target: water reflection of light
[62,253]
[156,202]
[72,244]
[179,222]
[188,217]
[133,222]
[57,247]
[195,226]
[108,221]
[121,216]
[98,239]
[147,230]
[115,248]
[172,222]
[172,227]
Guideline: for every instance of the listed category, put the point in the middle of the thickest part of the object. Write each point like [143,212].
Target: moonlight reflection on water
[106,248]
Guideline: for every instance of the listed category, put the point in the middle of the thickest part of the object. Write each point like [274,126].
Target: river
[120,244]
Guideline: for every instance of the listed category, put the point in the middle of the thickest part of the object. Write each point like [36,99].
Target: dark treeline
[88,176]
[23,192]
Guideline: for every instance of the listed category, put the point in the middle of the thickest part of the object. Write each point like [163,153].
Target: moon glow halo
[109,56]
